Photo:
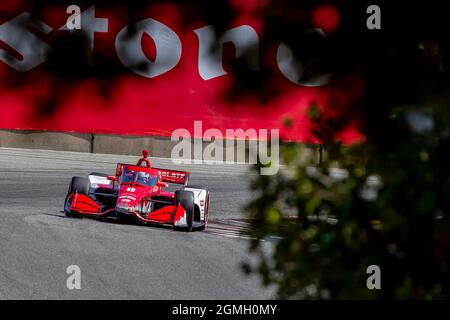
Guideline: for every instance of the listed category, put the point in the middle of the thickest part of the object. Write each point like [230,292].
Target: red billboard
[184,78]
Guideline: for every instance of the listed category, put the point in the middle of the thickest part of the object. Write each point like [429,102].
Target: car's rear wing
[174,176]
[167,175]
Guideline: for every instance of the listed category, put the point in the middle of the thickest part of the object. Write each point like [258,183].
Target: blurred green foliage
[360,206]
[384,201]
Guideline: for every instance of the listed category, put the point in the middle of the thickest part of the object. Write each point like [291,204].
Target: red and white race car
[137,192]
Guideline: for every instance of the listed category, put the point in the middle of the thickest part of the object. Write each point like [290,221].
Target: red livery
[138,192]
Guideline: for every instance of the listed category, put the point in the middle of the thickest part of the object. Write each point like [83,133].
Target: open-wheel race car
[138,192]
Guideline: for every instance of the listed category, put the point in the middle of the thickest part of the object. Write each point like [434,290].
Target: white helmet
[143,175]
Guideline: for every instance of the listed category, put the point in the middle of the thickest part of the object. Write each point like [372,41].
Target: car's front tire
[186,199]
[78,185]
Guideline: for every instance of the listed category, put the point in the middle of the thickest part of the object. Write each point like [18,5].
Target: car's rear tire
[186,199]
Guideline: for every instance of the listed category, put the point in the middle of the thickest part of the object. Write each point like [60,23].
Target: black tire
[186,199]
[79,185]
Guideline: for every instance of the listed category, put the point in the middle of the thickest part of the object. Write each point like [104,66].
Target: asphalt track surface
[117,261]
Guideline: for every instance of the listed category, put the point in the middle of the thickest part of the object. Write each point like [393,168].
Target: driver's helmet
[143,176]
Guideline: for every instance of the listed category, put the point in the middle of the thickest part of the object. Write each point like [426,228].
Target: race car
[138,192]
